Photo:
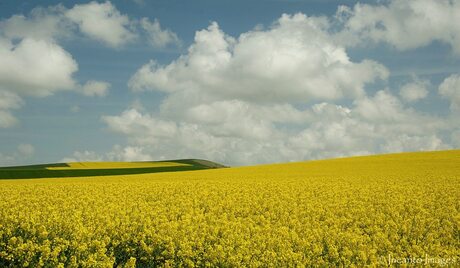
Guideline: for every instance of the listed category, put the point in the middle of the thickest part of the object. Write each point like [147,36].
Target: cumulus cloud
[118,153]
[384,106]
[7,160]
[415,90]
[35,67]
[450,89]
[147,129]
[392,116]
[249,137]
[34,64]
[8,101]
[99,21]
[128,153]
[95,88]
[21,155]
[103,22]
[283,93]
[158,37]
[405,142]
[295,60]
[286,93]
[404,24]
[7,119]
[41,23]
[26,149]
[84,156]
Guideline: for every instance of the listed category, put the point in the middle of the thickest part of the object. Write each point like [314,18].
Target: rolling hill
[91,169]
[371,211]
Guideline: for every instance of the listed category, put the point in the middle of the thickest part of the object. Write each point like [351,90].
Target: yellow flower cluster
[343,212]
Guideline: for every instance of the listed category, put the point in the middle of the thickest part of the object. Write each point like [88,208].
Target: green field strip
[43,171]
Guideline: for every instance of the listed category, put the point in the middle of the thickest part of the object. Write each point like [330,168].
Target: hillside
[90,169]
[371,211]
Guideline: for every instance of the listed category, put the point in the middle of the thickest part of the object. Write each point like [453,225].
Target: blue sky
[237,82]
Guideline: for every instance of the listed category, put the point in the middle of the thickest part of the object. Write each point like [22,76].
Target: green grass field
[91,169]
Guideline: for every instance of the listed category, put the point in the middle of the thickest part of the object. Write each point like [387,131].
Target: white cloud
[147,129]
[405,142]
[237,132]
[404,24]
[95,88]
[34,64]
[289,92]
[35,67]
[7,119]
[26,150]
[334,132]
[118,153]
[41,23]
[7,160]
[159,38]
[391,117]
[374,124]
[282,94]
[450,89]
[18,157]
[295,60]
[103,22]
[415,90]
[99,21]
[128,153]
[8,101]
[32,67]
[85,156]
[383,106]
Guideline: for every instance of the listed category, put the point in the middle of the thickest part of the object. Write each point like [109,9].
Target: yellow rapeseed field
[378,211]
[116,165]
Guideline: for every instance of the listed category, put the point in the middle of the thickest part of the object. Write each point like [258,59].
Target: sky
[236,82]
